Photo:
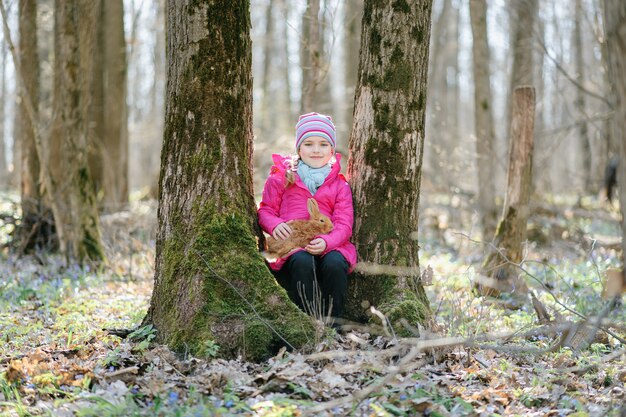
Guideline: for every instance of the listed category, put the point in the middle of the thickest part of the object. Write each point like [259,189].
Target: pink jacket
[334,198]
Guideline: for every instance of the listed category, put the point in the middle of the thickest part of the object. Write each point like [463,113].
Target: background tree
[75,40]
[108,148]
[4,173]
[507,250]
[211,283]
[36,226]
[615,33]
[483,119]
[385,162]
[352,14]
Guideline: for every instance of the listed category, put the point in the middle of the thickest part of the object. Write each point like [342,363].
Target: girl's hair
[293,167]
[289,172]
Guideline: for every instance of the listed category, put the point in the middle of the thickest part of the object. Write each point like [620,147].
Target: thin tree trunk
[323,97]
[211,284]
[97,150]
[437,104]
[310,56]
[286,67]
[35,230]
[386,147]
[511,233]
[483,119]
[115,111]
[524,13]
[4,172]
[583,135]
[615,34]
[353,12]
[268,110]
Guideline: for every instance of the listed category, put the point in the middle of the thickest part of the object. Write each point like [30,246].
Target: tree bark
[268,111]
[4,172]
[583,134]
[499,265]
[483,119]
[211,283]
[353,12]
[75,39]
[385,162]
[615,34]
[310,56]
[437,103]
[108,150]
[35,229]
[523,15]
[115,111]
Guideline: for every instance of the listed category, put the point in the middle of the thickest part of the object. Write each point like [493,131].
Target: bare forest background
[563,59]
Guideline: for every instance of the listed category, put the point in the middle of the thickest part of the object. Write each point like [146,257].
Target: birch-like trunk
[483,119]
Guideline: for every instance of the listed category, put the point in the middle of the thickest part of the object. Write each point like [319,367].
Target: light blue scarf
[313,177]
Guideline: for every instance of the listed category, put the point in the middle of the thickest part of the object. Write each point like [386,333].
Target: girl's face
[315,151]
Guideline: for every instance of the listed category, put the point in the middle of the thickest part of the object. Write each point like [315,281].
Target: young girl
[322,266]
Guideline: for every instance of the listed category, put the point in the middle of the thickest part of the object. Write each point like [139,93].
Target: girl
[322,267]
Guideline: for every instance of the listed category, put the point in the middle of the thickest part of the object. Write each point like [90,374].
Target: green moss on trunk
[241,302]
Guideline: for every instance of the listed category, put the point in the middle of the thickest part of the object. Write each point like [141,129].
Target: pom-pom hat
[315,124]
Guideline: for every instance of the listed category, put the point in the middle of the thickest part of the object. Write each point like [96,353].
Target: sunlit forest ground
[56,359]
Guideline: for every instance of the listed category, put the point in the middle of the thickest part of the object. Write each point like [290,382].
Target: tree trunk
[353,12]
[286,67]
[483,119]
[75,41]
[385,162]
[583,135]
[615,34]
[211,283]
[35,229]
[437,104]
[115,112]
[523,15]
[499,265]
[4,172]
[108,150]
[310,56]
[268,110]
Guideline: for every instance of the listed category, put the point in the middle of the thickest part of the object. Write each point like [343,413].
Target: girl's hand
[282,231]
[316,246]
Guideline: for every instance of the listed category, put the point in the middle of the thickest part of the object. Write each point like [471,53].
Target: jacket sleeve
[342,218]
[271,200]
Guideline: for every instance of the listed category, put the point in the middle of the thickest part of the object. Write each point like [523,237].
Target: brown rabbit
[303,231]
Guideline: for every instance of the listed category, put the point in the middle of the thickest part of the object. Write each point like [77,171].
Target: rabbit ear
[314,209]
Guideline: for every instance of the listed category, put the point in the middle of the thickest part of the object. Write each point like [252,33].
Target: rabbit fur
[303,231]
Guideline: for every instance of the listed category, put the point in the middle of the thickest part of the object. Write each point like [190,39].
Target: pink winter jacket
[334,198]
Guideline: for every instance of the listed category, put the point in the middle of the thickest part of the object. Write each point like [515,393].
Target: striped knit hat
[315,124]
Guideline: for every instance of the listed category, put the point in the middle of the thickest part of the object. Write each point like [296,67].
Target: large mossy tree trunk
[500,273]
[211,283]
[483,119]
[385,162]
[73,188]
[615,34]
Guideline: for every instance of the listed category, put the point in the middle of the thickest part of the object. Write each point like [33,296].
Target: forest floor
[485,359]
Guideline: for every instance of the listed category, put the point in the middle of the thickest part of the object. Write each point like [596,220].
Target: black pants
[316,284]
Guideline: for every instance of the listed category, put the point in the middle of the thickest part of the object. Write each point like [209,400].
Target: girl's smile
[315,151]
